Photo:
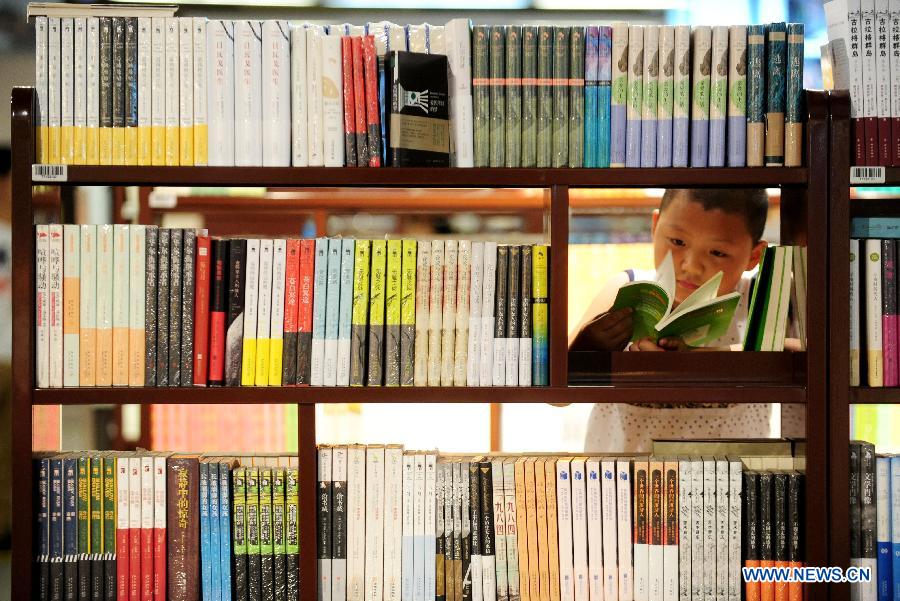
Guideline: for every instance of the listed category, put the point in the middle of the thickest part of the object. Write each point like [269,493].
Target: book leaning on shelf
[198,91]
[195,310]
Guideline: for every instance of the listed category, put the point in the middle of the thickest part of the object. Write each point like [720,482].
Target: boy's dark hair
[750,203]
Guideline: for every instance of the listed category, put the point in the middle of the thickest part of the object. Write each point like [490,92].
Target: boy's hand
[646,345]
[609,331]
[664,344]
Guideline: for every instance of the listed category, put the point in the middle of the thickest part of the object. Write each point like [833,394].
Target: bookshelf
[633,377]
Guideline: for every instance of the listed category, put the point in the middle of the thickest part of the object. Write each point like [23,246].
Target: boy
[707,231]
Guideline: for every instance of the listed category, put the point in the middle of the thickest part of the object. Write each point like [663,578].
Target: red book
[147,528]
[218,308]
[884,141]
[871,124]
[859,141]
[304,317]
[895,141]
[122,514]
[201,312]
[373,118]
[359,102]
[349,117]
[134,528]
[291,306]
[159,528]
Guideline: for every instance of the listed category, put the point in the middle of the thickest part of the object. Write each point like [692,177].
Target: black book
[419,131]
[501,306]
[525,376]
[764,504]
[42,528]
[162,308]
[439,521]
[266,563]
[795,502]
[292,534]
[460,505]
[187,306]
[70,527]
[487,508]
[130,76]
[106,72]
[278,534]
[176,248]
[323,518]
[868,518]
[217,309]
[150,308]
[291,298]
[234,320]
[118,73]
[56,529]
[855,506]
[239,532]
[339,519]
[779,517]
[472,555]
[513,325]
[254,563]
[750,508]
[560,128]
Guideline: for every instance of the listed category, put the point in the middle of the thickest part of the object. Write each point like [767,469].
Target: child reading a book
[705,232]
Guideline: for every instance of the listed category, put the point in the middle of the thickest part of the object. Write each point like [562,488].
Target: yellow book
[157,145]
[543,548]
[186,91]
[137,303]
[54,68]
[53,135]
[41,66]
[171,110]
[201,150]
[264,313]
[251,301]
[79,145]
[118,146]
[67,91]
[66,144]
[522,532]
[120,307]
[131,145]
[42,152]
[106,146]
[552,528]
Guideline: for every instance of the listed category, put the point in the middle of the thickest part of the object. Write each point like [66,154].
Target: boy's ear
[756,254]
[654,221]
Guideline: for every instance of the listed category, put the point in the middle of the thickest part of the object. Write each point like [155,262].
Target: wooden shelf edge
[864,395]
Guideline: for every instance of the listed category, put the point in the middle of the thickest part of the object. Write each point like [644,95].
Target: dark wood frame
[726,377]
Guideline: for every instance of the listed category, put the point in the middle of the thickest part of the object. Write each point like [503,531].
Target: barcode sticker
[866,175]
[49,173]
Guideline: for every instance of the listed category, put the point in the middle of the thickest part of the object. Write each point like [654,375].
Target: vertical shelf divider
[559,285]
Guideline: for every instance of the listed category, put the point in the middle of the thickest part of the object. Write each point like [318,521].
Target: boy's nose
[691,265]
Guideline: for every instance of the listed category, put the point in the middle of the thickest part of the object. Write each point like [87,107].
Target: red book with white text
[147,528]
[304,312]
[373,117]
[348,100]
[217,310]
[134,528]
[201,311]
[359,103]
[291,306]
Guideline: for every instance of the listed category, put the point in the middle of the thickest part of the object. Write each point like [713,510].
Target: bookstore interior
[337,300]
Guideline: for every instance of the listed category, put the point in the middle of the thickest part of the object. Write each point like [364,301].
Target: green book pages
[481,95]
[560,74]
[375,375]
[408,313]
[392,313]
[529,95]
[758,299]
[359,321]
[544,96]
[576,97]
[513,96]
[497,74]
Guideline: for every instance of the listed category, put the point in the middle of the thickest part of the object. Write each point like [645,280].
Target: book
[172,85]
[756,94]
[529,87]
[473,352]
[655,525]
[448,318]
[435,312]
[79,91]
[481,95]
[299,97]
[561,70]
[291,313]
[497,120]
[545,96]
[750,517]
[513,84]
[185,91]
[373,118]
[392,294]
[182,475]
[218,307]
[137,301]
[320,279]
[248,145]
[611,568]
[276,324]
[332,102]
[666,99]
[513,288]
[408,302]
[576,97]
[348,248]
[375,375]
[393,510]
[158,101]
[338,525]
[681,109]
[461,319]
[718,96]
[176,251]
[55,275]
[264,312]
[252,513]
[619,95]
[359,323]
[356,528]
[776,58]
[220,93]
[737,95]
[458,40]
[70,310]
[701,42]
[189,254]
[591,93]
[649,96]
[700,318]
[305,311]
[348,100]
[279,534]
[604,96]
[540,365]
[793,118]
[332,312]
[423,300]
[266,547]
[501,304]
[890,358]
[276,94]
[595,581]
[855,330]
[634,99]
[242,270]
[105,271]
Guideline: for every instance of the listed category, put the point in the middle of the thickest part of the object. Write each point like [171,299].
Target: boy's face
[703,243]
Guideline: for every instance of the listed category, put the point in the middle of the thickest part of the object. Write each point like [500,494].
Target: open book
[701,318]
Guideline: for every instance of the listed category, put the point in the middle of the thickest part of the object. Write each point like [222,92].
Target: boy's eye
[718,254]
[676,241]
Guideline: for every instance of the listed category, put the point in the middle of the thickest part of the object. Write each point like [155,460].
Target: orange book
[543,545]
[120,312]
[104,305]
[87,339]
[522,531]
[71,311]
[552,528]
[137,302]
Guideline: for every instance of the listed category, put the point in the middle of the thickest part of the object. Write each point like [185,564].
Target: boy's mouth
[688,285]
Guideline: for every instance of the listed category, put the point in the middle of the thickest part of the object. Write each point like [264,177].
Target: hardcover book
[776,75]
[514,120]
[529,95]
[576,97]
[481,94]
[560,117]
[497,87]
[756,95]
[718,96]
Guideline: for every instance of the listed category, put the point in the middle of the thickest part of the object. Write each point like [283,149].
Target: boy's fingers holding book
[646,344]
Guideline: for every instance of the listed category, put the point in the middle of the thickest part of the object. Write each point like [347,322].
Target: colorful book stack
[132,305]
[192,91]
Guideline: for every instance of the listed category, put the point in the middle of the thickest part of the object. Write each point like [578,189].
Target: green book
[545,96]
[278,532]
[266,545]
[254,567]
[481,95]
[576,97]
[239,531]
[700,319]
[408,314]
[540,319]
[497,74]
[83,508]
[292,537]
[109,525]
[392,313]
[514,96]
[375,376]
[97,550]
[359,320]
[529,95]
[560,126]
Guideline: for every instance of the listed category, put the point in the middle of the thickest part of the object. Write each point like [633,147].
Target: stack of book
[132,305]
[863,56]
[149,88]
[780,287]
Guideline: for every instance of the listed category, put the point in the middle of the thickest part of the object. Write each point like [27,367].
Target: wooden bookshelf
[863,395]
[618,377]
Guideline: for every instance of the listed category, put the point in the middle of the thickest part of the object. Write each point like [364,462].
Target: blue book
[320,277]
[776,81]
[895,525]
[718,96]
[332,311]
[591,111]
[70,522]
[666,98]
[604,95]
[205,551]
[214,534]
[619,95]
[650,96]
[737,96]
[345,309]
[702,61]
[681,96]
[225,528]
[756,95]
[56,528]
[634,103]
[875,227]
[884,570]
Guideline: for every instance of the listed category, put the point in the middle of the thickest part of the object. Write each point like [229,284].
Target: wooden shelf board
[864,395]
[432,177]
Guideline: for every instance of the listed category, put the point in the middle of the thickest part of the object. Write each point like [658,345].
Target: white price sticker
[866,175]
[49,173]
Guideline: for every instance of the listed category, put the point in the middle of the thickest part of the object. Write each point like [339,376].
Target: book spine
[634,101]
[718,96]
[159,98]
[66,91]
[868,520]
[579,528]
[137,305]
[130,93]
[443,515]
[604,97]
[266,547]
[481,95]
[681,96]
[737,95]
[220,93]
[134,527]
[79,92]
[563,486]
[199,91]
[276,94]
[332,103]
[890,358]
[882,79]
[497,94]
[305,311]
[332,311]
[320,279]
[41,77]
[276,327]
[591,95]
[854,293]
[324,510]
[172,92]
[110,581]
[53,89]
[374,517]
[709,528]
[895,523]
[649,95]
[472,510]
[243,302]
[64,576]
[576,97]
[299,97]
[218,307]
[393,498]
[116,101]
[205,550]
[407,571]
[501,311]
[666,96]
[359,104]
[162,305]
[254,554]
[458,40]
[873,294]
[513,85]
[291,312]
[359,319]
[529,95]
[423,282]
[264,312]
[435,313]
[105,272]
[147,528]
[623,529]
[339,525]
[735,479]
[408,287]
[701,42]
[619,95]
[356,521]
[279,548]
[202,282]
[239,533]
[545,96]
[248,142]
[189,257]
[560,75]
[894,7]
[475,283]
[461,342]
[498,533]
[448,319]
[513,311]
[776,58]
[56,576]
[793,117]
[348,250]
[176,239]
[721,529]
[92,92]
[610,535]
[392,293]
[348,101]
[756,94]
[315,135]
[42,306]
[373,118]
[377,285]
[540,372]
[71,311]
[642,493]
[488,300]
[55,274]
[488,556]
[655,525]
[595,560]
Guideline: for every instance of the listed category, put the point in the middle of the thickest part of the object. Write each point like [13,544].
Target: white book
[883,59]
[579,530]
[356,522]
[407,570]
[332,312]
[473,355]
[710,558]
[134,494]
[873,313]
[200,97]
[339,565]
[610,533]
[186,91]
[41,66]
[121,298]
[526,318]
[463,276]
[595,530]
[172,91]
[564,529]
[512,533]
[276,94]
[104,304]
[685,492]
[869,60]
[666,96]
[418,527]
[332,102]
[66,89]
[122,499]
[722,528]
[247,94]
[430,535]
[498,502]
[71,288]
[374,556]
[423,318]
[299,143]
[448,319]
[220,92]
[87,347]
[458,42]
[92,102]
[670,530]
[649,95]
[513,303]
[324,461]
[393,521]
[854,314]
[623,529]
[348,248]
[159,98]
[435,39]
[460,506]
[488,540]
[42,306]
[264,312]
[681,106]
[316,134]
[415,37]
[276,329]
[148,492]
[79,92]
[641,547]
[735,505]
[159,492]
[251,314]
[435,313]
[697,543]
[656,500]
[320,278]
[54,60]
[145,90]
[883,526]
[449,509]
[489,287]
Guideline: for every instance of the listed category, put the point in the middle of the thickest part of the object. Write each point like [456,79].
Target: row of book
[780,286]
[133,305]
[875,521]
[864,57]
[158,526]
[166,90]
